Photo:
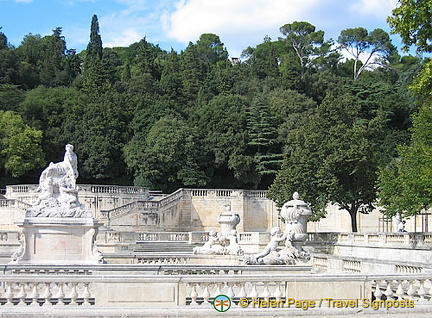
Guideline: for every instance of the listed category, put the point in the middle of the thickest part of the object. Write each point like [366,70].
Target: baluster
[60,294]
[254,293]
[399,291]
[9,294]
[206,294]
[422,292]
[278,293]
[230,292]
[242,292]
[411,291]
[388,292]
[34,296]
[193,295]
[218,289]
[86,295]
[22,295]
[47,295]
[73,294]
[266,292]
[378,293]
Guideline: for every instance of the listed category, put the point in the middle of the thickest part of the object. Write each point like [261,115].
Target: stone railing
[225,193]
[119,288]
[149,206]
[253,238]
[36,291]
[198,237]
[12,203]
[349,264]
[406,239]
[170,200]
[202,290]
[111,189]
[162,237]
[21,188]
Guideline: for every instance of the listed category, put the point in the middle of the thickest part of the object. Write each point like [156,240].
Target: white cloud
[243,18]
[135,20]
[377,8]
[23,1]
[125,38]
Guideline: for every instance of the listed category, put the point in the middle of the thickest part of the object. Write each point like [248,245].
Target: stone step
[168,247]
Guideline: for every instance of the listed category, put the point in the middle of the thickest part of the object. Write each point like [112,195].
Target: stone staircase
[164,248]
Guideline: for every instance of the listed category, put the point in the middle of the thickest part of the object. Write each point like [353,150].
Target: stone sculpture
[228,221]
[218,244]
[295,214]
[397,222]
[233,248]
[58,191]
[211,246]
[58,229]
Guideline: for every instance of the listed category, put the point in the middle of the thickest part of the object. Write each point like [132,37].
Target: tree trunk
[353,214]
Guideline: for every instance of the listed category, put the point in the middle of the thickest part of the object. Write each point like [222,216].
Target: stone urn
[295,214]
[228,221]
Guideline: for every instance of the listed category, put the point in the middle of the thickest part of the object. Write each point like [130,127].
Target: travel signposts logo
[222,303]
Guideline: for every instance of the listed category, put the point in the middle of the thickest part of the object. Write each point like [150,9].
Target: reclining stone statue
[58,191]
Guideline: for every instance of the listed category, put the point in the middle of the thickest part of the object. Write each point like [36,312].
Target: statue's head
[69,147]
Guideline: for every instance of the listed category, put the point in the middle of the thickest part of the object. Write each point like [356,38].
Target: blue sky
[173,23]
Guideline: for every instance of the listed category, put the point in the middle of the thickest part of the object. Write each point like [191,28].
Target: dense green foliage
[291,114]
[405,184]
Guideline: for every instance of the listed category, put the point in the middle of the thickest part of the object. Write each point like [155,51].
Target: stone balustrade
[12,203]
[99,290]
[405,239]
[163,236]
[225,193]
[349,264]
[30,188]
[26,290]
[201,291]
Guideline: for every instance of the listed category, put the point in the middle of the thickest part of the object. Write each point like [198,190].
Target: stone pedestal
[58,241]
[228,222]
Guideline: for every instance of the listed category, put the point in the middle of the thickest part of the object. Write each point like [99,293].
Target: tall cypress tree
[94,48]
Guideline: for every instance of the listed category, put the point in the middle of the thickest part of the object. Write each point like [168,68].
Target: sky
[175,23]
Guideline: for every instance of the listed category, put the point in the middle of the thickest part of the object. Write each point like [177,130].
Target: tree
[47,108]
[412,20]
[10,97]
[53,62]
[264,59]
[332,158]
[100,64]
[193,71]
[304,40]
[170,157]
[20,145]
[99,132]
[30,55]
[210,48]
[94,47]
[262,133]
[222,124]
[8,63]
[376,45]
[405,185]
